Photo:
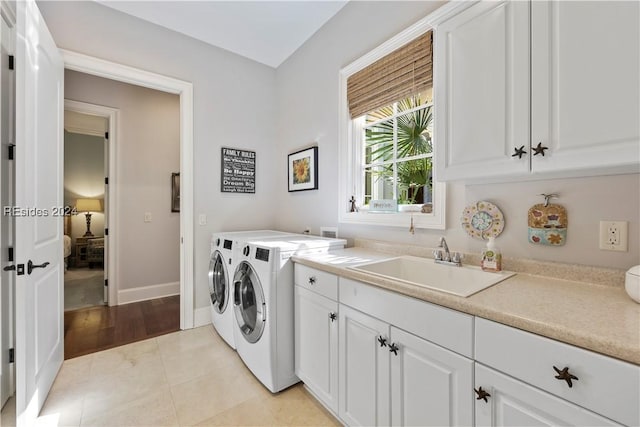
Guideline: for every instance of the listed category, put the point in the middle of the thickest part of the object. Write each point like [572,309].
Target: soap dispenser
[491,257]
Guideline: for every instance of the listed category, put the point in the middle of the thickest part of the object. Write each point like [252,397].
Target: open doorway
[184,90]
[140,245]
[86,154]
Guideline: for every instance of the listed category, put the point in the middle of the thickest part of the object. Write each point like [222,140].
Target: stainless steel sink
[462,281]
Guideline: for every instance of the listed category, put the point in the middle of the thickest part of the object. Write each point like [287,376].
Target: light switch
[147,217]
[202,219]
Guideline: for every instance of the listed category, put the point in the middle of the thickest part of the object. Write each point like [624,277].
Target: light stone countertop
[597,317]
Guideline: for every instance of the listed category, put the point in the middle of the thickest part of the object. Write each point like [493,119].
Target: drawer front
[447,328]
[604,385]
[321,282]
[514,403]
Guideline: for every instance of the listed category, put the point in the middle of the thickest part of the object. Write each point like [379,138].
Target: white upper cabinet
[585,87]
[511,75]
[481,86]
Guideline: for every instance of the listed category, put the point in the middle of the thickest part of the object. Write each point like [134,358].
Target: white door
[514,403]
[364,369]
[316,344]
[585,58]
[481,85]
[38,241]
[105,257]
[7,91]
[430,386]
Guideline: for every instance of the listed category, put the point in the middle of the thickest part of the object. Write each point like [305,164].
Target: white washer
[221,267]
[263,304]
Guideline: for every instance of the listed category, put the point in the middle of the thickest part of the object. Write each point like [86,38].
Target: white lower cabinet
[506,401]
[389,376]
[316,345]
[364,369]
[377,358]
[430,386]
[576,377]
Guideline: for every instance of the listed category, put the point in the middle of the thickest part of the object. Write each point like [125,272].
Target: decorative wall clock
[482,220]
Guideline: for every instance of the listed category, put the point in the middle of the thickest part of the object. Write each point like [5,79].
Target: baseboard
[201,316]
[126,296]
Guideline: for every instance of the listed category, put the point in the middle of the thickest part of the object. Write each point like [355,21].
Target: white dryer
[263,304]
[221,268]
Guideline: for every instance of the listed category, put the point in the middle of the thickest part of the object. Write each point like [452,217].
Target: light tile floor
[186,378]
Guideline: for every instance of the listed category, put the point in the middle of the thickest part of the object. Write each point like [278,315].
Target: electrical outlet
[202,219]
[147,217]
[614,235]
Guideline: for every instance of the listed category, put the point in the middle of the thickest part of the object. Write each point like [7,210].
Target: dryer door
[249,303]
[218,282]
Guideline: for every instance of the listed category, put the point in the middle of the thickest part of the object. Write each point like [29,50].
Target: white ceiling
[265,31]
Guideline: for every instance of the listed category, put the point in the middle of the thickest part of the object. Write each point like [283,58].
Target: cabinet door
[585,64]
[316,345]
[481,87]
[364,369]
[515,403]
[430,386]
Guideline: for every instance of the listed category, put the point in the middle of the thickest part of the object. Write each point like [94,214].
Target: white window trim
[348,175]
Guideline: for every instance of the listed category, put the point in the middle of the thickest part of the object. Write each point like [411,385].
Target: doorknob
[31,266]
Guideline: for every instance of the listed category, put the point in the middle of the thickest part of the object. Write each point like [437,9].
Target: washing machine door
[249,303]
[218,283]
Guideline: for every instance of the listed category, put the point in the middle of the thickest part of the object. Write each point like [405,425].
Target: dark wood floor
[97,328]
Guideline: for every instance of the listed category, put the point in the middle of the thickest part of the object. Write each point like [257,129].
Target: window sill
[394,219]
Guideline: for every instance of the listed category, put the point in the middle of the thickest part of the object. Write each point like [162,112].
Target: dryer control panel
[262,254]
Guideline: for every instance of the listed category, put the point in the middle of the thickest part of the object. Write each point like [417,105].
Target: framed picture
[238,171]
[175,192]
[303,170]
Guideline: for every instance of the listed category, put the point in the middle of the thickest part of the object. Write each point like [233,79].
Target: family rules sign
[238,171]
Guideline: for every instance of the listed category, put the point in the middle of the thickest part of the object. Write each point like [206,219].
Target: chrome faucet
[447,257]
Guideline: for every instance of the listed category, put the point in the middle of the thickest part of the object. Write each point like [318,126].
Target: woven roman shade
[405,71]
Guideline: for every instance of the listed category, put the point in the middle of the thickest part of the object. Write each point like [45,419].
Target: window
[387,134]
[396,152]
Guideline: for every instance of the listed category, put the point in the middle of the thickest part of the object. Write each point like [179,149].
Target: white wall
[83,178]
[148,151]
[240,103]
[308,101]
[233,106]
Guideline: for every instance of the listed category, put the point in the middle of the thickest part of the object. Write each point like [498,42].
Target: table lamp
[88,206]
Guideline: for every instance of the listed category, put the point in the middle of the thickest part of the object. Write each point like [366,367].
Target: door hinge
[106,180]
[10,250]
[12,355]
[106,135]
[11,151]
[106,283]
[106,231]
[11,62]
